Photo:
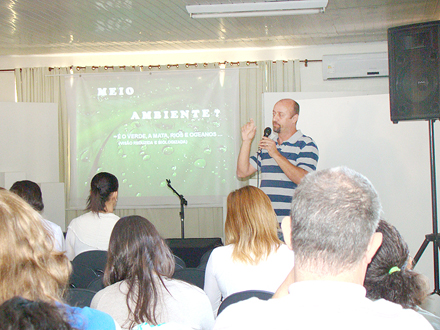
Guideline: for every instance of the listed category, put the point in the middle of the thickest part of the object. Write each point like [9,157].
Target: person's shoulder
[174,285]
[52,225]
[110,216]
[222,251]
[102,296]
[408,318]
[81,218]
[307,140]
[247,314]
[89,319]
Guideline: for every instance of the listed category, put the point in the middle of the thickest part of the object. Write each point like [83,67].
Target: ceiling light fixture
[250,9]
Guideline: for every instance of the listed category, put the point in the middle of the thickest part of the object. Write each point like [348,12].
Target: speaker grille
[414,71]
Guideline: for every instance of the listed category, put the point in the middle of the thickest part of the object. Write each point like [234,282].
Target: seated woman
[253,258]
[390,276]
[91,231]
[32,269]
[139,284]
[31,193]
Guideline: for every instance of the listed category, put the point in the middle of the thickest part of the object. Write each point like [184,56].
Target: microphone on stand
[266,133]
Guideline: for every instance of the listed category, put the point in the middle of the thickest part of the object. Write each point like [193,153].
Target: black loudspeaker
[413,58]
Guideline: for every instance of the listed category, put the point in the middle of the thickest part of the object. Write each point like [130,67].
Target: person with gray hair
[331,229]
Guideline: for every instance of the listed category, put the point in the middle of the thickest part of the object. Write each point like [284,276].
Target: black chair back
[96,284]
[180,264]
[78,297]
[191,275]
[243,295]
[204,259]
[86,267]
[94,259]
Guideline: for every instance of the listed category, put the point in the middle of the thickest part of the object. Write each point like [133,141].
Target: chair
[78,297]
[96,284]
[86,267]
[180,264]
[204,259]
[81,276]
[95,259]
[191,275]
[243,295]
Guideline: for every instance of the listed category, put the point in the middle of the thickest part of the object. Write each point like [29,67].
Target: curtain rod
[306,62]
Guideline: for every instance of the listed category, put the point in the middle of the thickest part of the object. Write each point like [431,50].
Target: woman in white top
[31,193]
[139,284]
[253,258]
[91,231]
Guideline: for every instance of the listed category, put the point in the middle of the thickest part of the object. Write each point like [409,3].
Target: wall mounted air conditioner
[355,65]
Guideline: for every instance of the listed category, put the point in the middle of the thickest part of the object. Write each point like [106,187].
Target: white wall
[7,86]
[29,132]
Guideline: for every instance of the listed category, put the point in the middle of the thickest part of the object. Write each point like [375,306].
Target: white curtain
[47,85]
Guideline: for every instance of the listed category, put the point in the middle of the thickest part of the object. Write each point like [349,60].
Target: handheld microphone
[267,132]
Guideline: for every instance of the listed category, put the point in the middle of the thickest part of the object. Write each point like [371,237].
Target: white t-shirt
[57,234]
[317,305]
[225,276]
[89,231]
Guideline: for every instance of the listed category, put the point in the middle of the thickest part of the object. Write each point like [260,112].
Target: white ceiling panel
[84,26]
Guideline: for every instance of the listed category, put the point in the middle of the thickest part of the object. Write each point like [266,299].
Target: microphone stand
[183,202]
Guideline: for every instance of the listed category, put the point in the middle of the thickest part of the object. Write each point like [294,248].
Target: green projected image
[146,128]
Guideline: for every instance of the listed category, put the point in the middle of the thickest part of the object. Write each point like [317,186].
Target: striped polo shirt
[301,151]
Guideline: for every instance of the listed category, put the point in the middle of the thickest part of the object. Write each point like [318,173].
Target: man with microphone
[283,160]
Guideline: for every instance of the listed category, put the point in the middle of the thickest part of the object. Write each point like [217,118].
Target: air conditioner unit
[346,66]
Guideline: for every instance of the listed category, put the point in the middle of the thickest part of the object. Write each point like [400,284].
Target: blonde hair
[251,225]
[29,266]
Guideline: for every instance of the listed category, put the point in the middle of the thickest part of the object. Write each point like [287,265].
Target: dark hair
[136,254]
[30,192]
[102,185]
[21,314]
[404,286]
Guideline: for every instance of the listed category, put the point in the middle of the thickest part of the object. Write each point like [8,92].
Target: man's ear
[295,117]
[373,246]
[287,231]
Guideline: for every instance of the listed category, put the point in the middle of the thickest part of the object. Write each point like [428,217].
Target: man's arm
[244,167]
[294,173]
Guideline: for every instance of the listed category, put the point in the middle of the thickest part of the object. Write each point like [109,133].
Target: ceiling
[103,26]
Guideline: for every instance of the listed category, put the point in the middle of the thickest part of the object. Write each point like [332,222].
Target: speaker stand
[434,237]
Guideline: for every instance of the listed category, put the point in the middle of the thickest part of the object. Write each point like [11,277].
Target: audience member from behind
[390,275]
[334,215]
[253,258]
[91,231]
[21,314]
[32,269]
[31,193]
[139,284]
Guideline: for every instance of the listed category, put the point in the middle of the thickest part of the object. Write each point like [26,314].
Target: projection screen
[150,127]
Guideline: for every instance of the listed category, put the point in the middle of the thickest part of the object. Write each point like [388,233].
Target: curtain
[47,85]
